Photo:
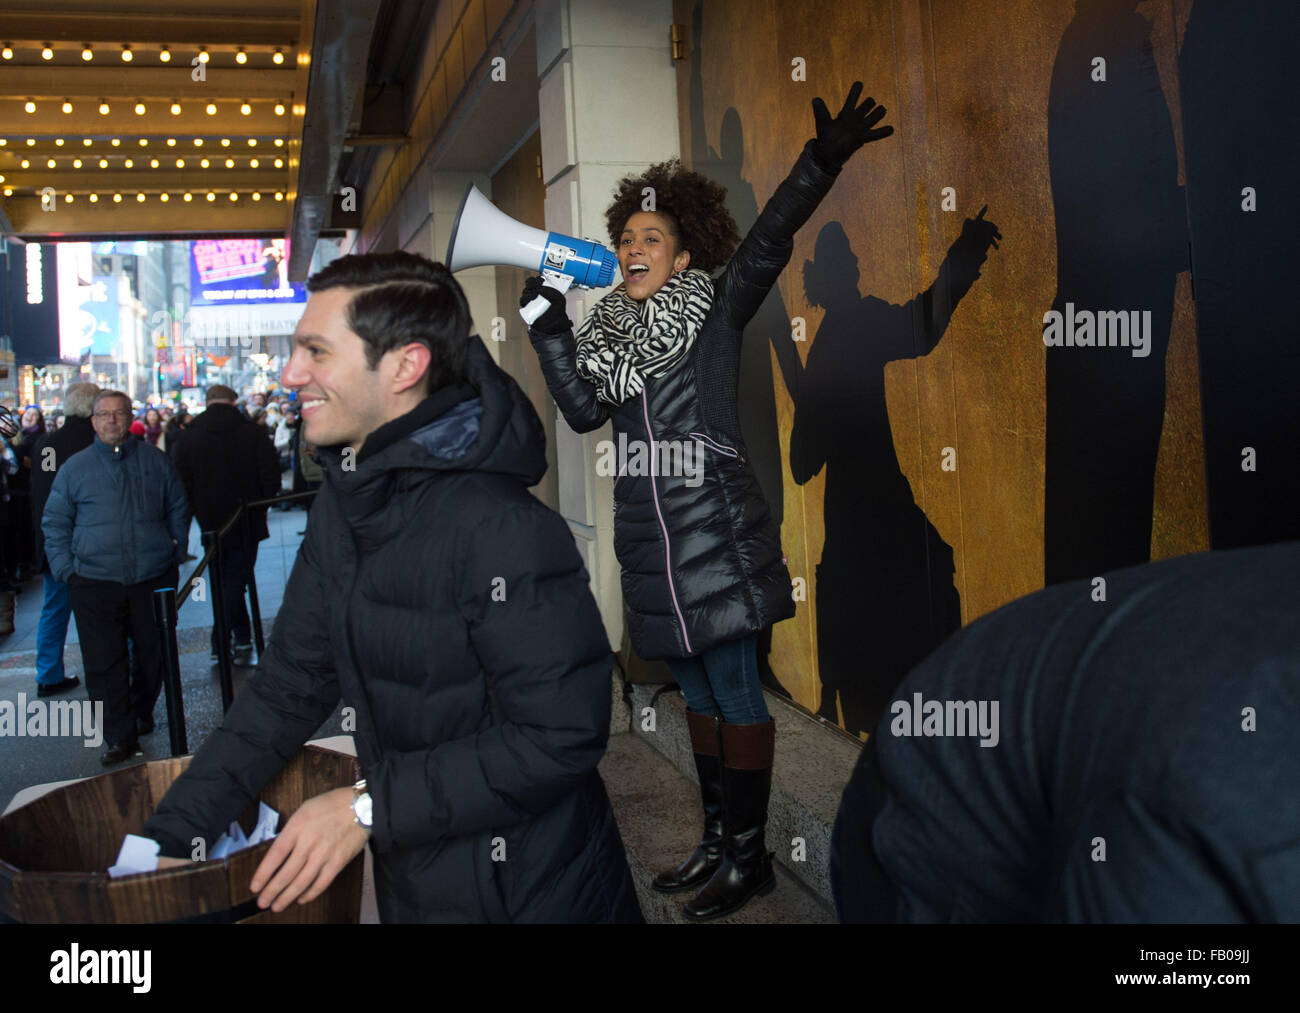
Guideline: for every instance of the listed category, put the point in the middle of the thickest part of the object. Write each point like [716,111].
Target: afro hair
[694,206]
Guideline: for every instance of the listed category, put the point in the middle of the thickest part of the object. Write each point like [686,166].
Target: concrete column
[608,108]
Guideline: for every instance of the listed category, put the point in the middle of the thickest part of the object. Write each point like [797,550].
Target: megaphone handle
[552,279]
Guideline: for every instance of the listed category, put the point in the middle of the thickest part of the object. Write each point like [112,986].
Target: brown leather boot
[696,870]
[746,869]
[6,613]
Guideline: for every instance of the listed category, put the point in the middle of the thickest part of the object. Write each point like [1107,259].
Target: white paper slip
[140,854]
[233,840]
[137,854]
[267,818]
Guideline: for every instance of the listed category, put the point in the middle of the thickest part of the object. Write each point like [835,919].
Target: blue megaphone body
[483,235]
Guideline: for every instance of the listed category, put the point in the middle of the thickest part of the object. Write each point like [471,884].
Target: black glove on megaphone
[556,318]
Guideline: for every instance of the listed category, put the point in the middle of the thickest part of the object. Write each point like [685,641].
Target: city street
[27,761]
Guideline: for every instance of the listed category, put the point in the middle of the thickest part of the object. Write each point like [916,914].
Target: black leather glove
[556,318]
[838,138]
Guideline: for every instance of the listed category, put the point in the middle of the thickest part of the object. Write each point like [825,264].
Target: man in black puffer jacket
[224,461]
[439,599]
[50,454]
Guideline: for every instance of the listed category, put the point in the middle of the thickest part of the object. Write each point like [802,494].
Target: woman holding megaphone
[703,572]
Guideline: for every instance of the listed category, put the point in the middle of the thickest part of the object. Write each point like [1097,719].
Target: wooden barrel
[55,852]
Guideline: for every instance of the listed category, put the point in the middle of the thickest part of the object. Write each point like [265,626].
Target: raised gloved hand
[838,138]
[556,318]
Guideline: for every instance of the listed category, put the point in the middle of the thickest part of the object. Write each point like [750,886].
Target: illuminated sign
[226,272]
[35,283]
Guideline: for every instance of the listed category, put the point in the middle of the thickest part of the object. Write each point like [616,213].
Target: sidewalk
[27,761]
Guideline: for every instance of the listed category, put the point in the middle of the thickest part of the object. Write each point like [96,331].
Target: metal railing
[168,601]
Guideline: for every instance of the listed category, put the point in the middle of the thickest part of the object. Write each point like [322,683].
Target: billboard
[89,313]
[241,272]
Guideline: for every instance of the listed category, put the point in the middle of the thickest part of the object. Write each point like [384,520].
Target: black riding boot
[746,868]
[697,869]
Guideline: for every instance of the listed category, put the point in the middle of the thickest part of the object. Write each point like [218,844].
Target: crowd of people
[130,513]
[160,426]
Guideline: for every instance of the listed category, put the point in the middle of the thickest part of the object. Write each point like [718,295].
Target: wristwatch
[362,810]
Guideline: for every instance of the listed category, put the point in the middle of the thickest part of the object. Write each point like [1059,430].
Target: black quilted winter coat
[436,596]
[702,564]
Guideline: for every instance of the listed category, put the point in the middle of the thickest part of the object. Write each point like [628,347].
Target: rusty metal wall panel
[967,85]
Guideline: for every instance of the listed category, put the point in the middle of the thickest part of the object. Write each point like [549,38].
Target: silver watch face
[362,807]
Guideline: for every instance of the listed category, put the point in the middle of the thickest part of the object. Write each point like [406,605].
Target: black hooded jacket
[700,554]
[77,434]
[1074,759]
[225,459]
[436,596]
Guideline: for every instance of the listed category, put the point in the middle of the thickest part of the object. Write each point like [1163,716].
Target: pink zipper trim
[668,554]
[715,445]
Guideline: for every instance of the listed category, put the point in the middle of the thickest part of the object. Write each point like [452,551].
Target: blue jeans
[52,631]
[724,680]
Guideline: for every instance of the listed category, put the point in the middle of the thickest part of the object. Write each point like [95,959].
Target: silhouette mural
[1121,241]
[1240,142]
[884,585]
[1079,456]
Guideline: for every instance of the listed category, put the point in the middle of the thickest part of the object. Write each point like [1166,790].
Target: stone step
[658,814]
[813,764]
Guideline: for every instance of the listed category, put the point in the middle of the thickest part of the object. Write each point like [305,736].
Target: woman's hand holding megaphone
[556,318]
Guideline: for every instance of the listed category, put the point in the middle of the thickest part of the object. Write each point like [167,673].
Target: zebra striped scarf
[623,341]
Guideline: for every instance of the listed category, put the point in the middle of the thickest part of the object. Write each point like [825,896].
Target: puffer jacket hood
[500,435]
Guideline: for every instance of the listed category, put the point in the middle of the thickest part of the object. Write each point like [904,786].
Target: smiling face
[342,400]
[30,418]
[648,254]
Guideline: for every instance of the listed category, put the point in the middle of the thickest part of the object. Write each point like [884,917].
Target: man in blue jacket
[115,529]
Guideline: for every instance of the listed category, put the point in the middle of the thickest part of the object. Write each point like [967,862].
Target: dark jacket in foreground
[1161,722]
[702,562]
[436,596]
[115,513]
[77,434]
[223,460]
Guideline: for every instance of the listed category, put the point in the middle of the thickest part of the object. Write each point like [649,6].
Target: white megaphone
[483,234]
